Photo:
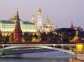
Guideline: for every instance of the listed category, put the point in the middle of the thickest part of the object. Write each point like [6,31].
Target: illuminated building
[36,24]
[17,31]
[47,26]
[33,19]
[37,19]
[7,26]
[76,38]
[79,48]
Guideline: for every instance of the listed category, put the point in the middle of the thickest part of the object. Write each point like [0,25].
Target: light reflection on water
[20,59]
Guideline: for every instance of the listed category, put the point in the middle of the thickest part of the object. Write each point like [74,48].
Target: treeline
[62,35]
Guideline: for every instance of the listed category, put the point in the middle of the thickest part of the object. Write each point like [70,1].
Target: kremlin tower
[72,26]
[17,31]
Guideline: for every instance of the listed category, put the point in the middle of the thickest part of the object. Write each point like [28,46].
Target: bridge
[34,50]
[40,45]
[29,48]
[34,45]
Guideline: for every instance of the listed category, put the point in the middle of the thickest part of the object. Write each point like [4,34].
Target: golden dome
[39,10]
[13,17]
[48,21]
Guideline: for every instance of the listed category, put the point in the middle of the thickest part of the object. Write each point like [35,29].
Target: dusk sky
[60,12]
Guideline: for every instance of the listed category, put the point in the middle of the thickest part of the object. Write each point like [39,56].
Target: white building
[7,26]
[47,26]
[37,19]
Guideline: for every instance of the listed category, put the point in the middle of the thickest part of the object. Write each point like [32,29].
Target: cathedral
[37,19]
[47,27]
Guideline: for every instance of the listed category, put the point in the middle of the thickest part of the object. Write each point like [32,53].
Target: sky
[60,12]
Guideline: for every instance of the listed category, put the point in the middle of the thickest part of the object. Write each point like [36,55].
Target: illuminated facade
[17,30]
[76,38]
[7,26]
[37,19]
[36,24]
[47,26]
[33,19]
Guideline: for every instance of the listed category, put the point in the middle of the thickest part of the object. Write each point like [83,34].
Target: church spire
[33,18]
[72,26]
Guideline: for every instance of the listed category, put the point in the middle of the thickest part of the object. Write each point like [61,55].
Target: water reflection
[76,60]
[17,59]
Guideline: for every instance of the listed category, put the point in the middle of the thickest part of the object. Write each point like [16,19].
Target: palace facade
[7,26]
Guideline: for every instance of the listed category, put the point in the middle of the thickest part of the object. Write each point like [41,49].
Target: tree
[11,38]
[0,37]
[44,37]
[23,40]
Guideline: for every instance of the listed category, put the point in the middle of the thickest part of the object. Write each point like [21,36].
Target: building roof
[7,21]
[12,22]
[27,22]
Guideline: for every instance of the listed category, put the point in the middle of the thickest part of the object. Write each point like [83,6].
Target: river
[20,59]
[40,55]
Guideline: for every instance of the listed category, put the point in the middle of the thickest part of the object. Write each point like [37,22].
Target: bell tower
[39,18]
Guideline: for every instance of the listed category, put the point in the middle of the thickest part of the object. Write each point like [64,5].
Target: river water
[40,56]
[19,59]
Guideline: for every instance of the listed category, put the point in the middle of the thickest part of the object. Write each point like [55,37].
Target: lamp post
[3,50]
[61,38]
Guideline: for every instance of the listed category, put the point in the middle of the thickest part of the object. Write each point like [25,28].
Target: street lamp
[3,50]
[61,38]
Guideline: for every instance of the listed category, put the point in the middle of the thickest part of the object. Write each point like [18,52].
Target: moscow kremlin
[26,37]
[18,31]
[41,31]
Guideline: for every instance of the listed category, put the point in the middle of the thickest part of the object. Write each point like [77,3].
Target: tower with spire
[72,26]
[33,19]
[17,31]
